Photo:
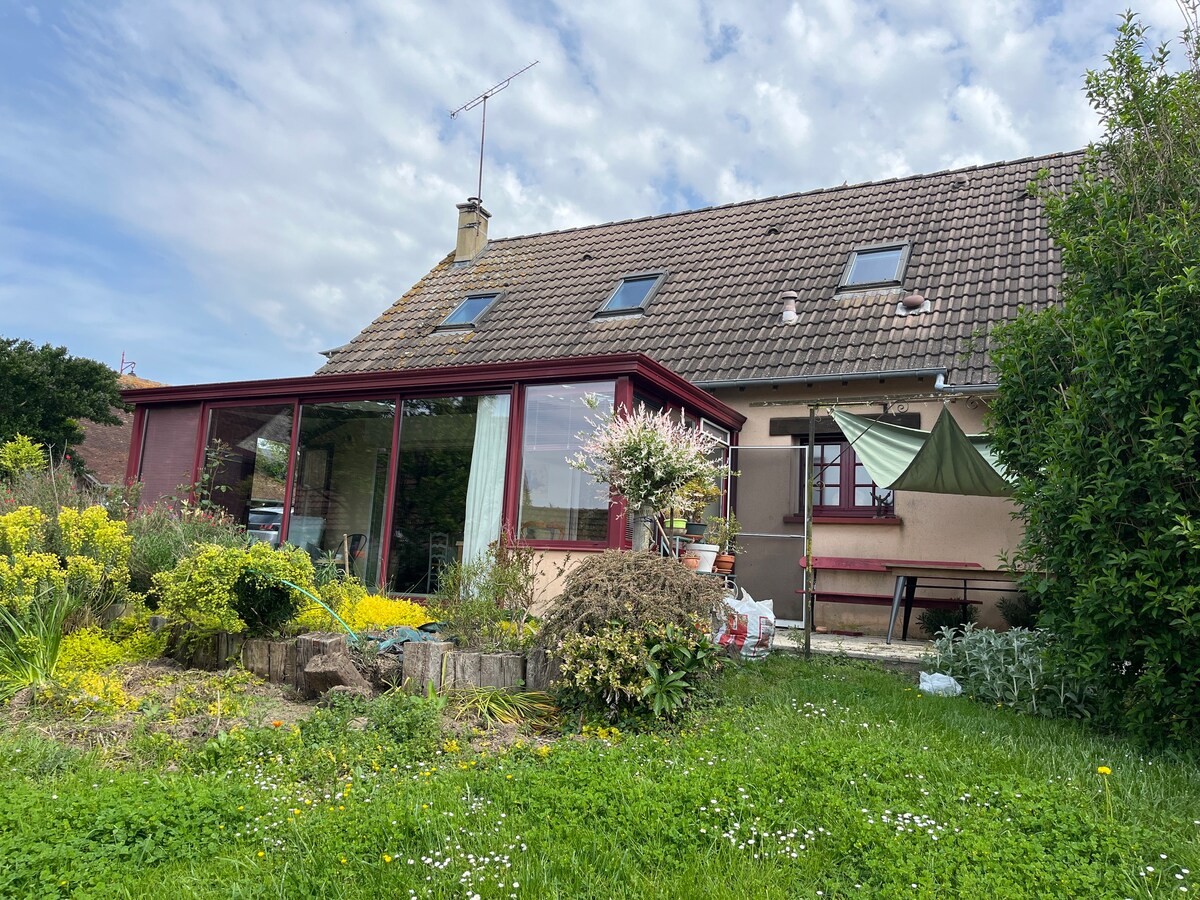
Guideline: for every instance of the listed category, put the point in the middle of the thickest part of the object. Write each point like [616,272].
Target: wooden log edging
[426,664]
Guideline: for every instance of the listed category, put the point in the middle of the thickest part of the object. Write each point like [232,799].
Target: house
[454,411]
[105,448]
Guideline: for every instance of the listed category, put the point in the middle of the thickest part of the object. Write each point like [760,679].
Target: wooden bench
[905,588]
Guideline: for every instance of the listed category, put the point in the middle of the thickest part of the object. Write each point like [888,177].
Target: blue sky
[222,189]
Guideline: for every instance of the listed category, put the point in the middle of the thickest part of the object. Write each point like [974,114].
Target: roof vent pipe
[789,298]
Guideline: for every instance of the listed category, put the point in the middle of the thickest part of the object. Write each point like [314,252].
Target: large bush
[631,633]
[1098,411]
[236,589]
[165,533]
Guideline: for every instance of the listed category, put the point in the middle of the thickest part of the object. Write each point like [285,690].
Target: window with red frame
[842,486]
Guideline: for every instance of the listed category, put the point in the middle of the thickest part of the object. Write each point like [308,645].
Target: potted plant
[691,500]
[724,533]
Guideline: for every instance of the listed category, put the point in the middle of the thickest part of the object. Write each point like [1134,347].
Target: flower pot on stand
[696,529]
[692,562]
[706,553]
[724,563]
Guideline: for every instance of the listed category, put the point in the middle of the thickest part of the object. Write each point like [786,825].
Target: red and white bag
[749,627]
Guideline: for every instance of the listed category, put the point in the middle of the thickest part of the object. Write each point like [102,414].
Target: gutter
[940,385]
[940,373]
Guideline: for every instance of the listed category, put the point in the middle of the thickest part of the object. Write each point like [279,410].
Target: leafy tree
[1098,411]
[44,392]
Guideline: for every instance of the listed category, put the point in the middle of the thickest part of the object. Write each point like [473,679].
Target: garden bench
[944,575]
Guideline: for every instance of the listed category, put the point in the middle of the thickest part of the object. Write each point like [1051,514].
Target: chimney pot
[789,299]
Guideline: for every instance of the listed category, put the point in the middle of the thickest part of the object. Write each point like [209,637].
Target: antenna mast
[482,100]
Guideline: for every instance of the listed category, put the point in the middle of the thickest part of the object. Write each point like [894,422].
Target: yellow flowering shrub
[235,589]
[21,454]
[90,693]
[88,650]
[360,610]
[22,531]
[96,550]
[102,541]
[25,576]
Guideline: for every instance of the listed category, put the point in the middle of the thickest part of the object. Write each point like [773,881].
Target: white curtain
[485,489]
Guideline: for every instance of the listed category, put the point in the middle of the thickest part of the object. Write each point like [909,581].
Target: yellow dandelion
[261,854]
[343,860]
[1104,770]
[386,858]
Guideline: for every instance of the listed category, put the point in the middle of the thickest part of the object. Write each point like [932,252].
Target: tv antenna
[482,100]
[126,365]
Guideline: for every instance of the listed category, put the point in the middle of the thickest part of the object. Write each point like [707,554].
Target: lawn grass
[806,779]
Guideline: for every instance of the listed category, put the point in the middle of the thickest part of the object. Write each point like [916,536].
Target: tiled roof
[980,250]
[105,448]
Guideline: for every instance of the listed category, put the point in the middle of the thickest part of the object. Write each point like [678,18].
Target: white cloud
[295,167]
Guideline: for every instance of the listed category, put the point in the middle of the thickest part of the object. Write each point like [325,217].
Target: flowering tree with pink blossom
[646,457]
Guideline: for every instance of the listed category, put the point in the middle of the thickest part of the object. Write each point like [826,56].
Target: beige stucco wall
[931,527]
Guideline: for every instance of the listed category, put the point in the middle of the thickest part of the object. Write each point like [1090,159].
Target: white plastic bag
[940,685]
[749,627]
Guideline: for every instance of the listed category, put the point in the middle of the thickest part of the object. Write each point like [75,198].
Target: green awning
[942,461]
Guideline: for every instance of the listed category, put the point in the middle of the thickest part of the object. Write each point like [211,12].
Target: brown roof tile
[980,249]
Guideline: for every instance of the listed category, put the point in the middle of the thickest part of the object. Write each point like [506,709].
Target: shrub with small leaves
[235,589]
[21,455]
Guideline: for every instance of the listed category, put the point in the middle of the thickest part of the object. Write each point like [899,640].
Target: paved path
[906,653]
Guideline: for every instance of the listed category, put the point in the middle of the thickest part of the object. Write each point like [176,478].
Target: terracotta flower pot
[692,562]
[723,563]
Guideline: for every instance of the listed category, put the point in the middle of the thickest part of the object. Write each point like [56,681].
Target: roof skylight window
[632,295]
[880,266]
[468,313]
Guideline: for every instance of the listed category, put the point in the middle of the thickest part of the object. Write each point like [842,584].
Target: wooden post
[501,670]
[541,670]
[423,665]
[461,669]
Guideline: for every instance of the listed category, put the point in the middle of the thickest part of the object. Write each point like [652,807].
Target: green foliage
[489,705]
[1020,611]
[20,456]
[1098,412]
[164,534]
[630,631]
[680,663]
[485,602]
[883,789]
[932,621]
[30,641]
[44,392]
[724,533]
[1019,669]
[235,588]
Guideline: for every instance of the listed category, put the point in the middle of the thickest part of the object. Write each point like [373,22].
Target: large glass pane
[557,502]
[246,463]
[341,482]
[449,486]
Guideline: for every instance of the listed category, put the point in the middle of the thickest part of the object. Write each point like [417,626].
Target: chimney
[472,230]
[789,298]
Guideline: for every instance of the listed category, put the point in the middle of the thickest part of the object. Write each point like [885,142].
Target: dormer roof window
[881,265]
[468,313]
[632,295]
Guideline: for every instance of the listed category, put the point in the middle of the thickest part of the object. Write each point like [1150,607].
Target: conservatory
[397,473]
